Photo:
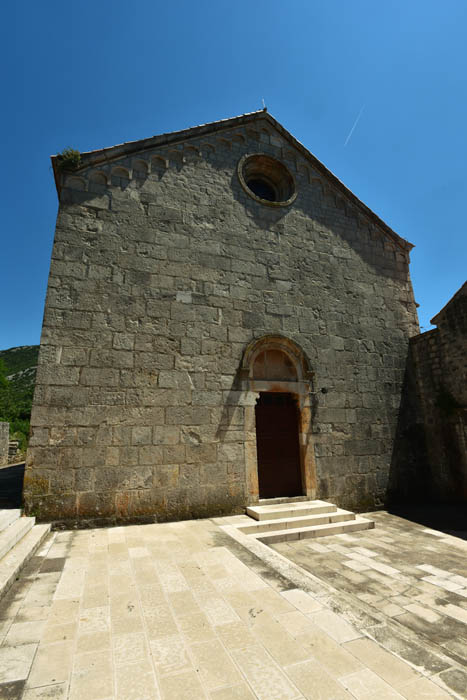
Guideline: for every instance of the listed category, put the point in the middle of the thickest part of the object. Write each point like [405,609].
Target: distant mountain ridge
[18,367]
[20,358]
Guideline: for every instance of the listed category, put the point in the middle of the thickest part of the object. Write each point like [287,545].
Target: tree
[3,379]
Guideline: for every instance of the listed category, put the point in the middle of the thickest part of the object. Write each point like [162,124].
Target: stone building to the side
[224,321]
[439,368]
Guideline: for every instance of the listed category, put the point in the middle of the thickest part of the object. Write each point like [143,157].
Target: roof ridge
[171,133]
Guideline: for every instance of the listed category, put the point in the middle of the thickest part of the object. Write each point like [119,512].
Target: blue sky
[93,74]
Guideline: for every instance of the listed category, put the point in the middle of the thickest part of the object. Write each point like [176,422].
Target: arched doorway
[278,380]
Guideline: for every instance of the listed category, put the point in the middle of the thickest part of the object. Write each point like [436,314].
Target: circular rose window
[266,180]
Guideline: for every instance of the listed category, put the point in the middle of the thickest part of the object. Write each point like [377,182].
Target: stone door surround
[275,363]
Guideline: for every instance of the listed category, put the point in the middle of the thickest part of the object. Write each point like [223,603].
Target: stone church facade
[225,321]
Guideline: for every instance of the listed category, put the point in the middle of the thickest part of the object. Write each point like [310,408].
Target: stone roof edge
[460,292]
[402,242]
[421,337]
[110,153]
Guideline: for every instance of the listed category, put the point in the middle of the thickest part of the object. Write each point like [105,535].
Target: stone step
[338,516]
[13,533]
[290,510]
[282,499]
[289,534]
[12,563]
[8,516]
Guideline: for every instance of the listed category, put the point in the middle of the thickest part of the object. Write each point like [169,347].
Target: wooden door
[278,450]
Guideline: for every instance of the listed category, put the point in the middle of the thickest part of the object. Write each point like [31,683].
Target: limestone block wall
[4,442]
[440,367]
[163,271]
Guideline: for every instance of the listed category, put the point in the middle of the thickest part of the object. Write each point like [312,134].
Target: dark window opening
[262,189]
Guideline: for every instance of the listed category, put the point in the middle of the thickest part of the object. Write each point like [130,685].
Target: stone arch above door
[276,363]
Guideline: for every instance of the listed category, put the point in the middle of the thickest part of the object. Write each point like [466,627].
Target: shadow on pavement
[450,518]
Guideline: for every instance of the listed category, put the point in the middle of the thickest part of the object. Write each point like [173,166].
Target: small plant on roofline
[69,159]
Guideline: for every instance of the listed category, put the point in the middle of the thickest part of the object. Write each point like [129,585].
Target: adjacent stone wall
[439,360]
[4,442]
[163,271]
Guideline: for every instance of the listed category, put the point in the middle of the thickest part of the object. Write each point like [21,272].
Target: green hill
[17,380]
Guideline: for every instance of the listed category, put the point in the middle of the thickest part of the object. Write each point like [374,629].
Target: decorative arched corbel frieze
[75,182]
[159,165]
[140,168]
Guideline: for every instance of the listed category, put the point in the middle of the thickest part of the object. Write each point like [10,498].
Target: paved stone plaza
[183,611]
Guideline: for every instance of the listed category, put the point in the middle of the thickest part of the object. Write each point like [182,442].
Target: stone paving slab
[411,579]
[182,610]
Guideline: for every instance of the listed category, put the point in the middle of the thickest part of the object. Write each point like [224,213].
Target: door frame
[302,391]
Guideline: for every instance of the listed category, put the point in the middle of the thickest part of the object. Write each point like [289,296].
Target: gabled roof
[104,155]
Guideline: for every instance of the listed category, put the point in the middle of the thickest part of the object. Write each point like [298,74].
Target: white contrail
[355,124]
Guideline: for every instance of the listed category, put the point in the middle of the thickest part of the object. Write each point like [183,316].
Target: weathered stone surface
[434,415]
[4,442]
[158,284]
